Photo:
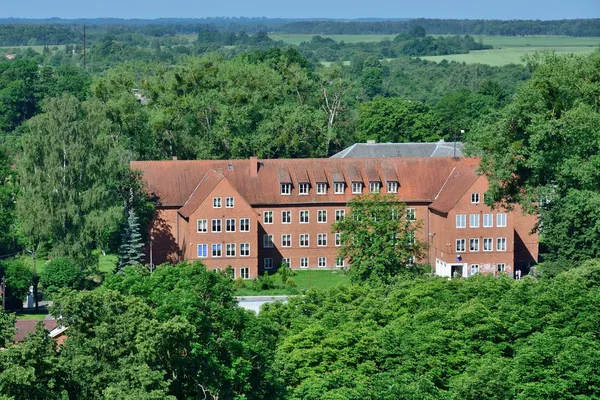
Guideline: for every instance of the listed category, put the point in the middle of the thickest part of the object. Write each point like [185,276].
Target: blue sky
[471,9]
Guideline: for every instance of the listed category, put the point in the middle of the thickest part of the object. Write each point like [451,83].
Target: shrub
[61,273]
[18,280]
[239,283]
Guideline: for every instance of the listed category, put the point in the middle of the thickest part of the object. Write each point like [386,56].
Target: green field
[304,280]
[299,38]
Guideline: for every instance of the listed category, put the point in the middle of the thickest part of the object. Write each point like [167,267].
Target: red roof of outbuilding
[25,327]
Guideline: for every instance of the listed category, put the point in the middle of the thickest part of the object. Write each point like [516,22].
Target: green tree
[131,251]
[18,280]
[379,238]
[61,273]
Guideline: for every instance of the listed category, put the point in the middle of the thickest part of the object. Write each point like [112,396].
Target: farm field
[296,39]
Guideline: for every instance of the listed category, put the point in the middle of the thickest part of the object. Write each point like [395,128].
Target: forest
[69,129]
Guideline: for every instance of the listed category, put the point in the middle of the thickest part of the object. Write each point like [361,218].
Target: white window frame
[357,187]
[203,228]
[230,250]
[322,216]
[501,220]
[392,187]
[321,188]
[287,261]
[488,244]
[475,198]
[268,263]
[219,225]
[286,240]
[228,222]
[339,264]
[474,220]
[247,221]
[321,239]
[302,215]
[268,217]
[268,241]
[411,214]
[338,239]
[303,188]
[304,262]
[285,189]
[214,248]
[374,187]
[229,202]
[339,187]
[474,245]
[322,262]
[501,240]
[217,202]
[340,214]
[488,220]
[474,267]
[286,217]
[304,240]
[461,221]
[205,247]
[501,267]
[461,245]
[244,249]
[244,272]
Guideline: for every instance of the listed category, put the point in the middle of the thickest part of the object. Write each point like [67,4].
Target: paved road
[253,303]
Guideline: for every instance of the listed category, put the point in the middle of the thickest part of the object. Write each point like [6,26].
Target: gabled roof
[27,326]
[180,183]
[208,183]
[461,178]
[369,150]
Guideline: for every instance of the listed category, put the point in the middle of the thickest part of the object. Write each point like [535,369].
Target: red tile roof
[210,181]
[461,178]
[27,326]
[174,181]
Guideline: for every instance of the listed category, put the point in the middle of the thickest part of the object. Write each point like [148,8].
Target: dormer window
[357,187]
[303,188]
[286,189]
[321,188]
[374,187]
[339,187]
[392,187]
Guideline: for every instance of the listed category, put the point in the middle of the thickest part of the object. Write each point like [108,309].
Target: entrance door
[456,271]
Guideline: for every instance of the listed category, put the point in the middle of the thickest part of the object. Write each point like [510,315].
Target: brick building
[254,214]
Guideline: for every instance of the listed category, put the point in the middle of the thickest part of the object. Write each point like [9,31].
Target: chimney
[371,141]
[174,158]
[253,166]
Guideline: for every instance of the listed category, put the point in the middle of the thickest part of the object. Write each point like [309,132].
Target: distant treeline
[570,27]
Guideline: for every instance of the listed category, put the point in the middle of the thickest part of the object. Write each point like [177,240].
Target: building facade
[255,214]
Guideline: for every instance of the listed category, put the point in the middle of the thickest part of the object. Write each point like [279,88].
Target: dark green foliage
[61,273]
[131,251]
[18,280]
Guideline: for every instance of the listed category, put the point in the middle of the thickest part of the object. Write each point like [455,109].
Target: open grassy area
[30,316]
[309,279]
[299,38]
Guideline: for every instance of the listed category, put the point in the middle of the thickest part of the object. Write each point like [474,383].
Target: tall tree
[131,251]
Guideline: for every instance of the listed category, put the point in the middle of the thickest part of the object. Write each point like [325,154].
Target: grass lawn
[30,316]
[309,279]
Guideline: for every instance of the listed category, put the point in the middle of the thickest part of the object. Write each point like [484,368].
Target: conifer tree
[131,251]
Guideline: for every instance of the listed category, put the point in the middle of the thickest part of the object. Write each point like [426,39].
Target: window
[501,220]
[410,237]
[304,262]
[392,187]
[286,217]
[303,188]
[229,202]
[411,214]
[304,216]
[374,187]
[245,273]
[461,245]
[322,216]
[216,225]
[230,225]
[338,239]
[245,249]
[357,187]
[202,250]
[488,244]
[304,240]
[267,241]
[268,263]
[488,220]
[287,262]
[232,273]
[475,198]
[339,262]
[339,214]
[321,188]
[501,244]
[286,240]
[217,250]
[216,202]
[286,189]
[230,250]
[461,220]
[244,224]
[322,239]
[474,269]
[473,244]
[202,226]
[474,221]
[322,262]
[501,267]
[339,187]
[268,217]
